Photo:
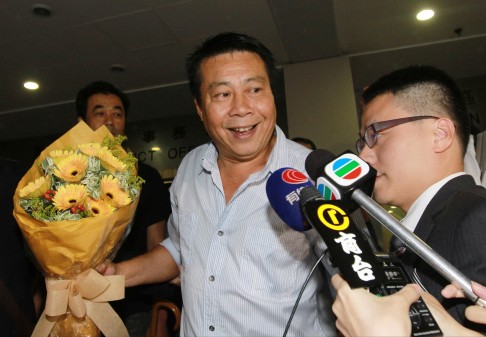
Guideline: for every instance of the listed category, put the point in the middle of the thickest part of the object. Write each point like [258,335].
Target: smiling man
[414,132]
[242,266]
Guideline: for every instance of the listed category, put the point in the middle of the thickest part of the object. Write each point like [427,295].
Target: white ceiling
[151,39]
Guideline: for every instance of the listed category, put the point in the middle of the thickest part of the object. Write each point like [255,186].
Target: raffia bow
[87,294]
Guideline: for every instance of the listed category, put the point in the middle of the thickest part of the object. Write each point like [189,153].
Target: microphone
[283,187]
[297,202]
[353,179]
[346,247]
[349,250]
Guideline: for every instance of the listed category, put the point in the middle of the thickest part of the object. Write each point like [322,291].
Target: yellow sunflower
[99,207]
[109,161]
[90,149]
[58,155]
[35,188]
[72,168]
[112,193]
[70,195]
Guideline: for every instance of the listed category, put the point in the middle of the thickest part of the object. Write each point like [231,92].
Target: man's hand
[107,268]
[361,313]
[474,313]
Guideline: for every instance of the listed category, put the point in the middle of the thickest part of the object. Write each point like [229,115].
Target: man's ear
[199,111]
[445,132]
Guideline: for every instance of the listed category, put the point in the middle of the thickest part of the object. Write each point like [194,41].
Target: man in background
[101,103]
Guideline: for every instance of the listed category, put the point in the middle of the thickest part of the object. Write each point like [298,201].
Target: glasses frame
[370,139]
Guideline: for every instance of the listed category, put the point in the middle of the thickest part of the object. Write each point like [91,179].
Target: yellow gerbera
[111,162]
[112,193]
[90,149]
[58,155]
[70,195]
[72,168]
[35,188]
[99,207]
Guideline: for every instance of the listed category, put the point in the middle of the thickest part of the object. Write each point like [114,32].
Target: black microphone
[296,201]
[353,179]
[349,250]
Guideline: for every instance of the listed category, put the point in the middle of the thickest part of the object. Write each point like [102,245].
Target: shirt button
[211,278]
[220,233]
[211,328]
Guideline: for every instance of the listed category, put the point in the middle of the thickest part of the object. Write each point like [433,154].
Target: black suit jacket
[454,225]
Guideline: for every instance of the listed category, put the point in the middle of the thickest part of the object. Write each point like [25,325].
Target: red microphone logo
[292,176]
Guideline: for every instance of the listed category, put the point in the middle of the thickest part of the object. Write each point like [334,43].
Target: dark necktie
[397,246]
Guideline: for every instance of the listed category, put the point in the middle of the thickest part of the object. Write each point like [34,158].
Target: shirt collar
[418,207]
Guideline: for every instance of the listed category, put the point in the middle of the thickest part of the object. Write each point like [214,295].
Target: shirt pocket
[271,261]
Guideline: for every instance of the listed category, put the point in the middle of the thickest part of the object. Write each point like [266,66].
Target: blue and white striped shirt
[242,266]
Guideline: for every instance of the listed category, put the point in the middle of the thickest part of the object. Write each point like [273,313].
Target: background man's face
[108,110]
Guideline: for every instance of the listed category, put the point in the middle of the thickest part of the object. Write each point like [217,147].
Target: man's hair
[223,43]
[307,141]
[425,90]
[98,87]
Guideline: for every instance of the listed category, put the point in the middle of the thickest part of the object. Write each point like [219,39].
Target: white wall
[321,103]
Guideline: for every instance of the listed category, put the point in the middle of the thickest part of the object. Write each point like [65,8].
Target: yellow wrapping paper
[65,249]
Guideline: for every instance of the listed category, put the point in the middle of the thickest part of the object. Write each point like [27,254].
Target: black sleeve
[154,204]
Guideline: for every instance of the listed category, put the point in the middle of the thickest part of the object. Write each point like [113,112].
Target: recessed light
[425,14]
[41,10]
[117,68]
[31,85]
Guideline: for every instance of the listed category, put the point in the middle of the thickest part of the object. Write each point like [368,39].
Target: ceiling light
[155,148]
[42,11]
[117,68]
[425,14]
[31,85]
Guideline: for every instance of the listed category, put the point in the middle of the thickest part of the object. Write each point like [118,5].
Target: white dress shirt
[242,266]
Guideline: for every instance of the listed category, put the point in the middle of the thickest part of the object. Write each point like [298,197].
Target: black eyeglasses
[370,136]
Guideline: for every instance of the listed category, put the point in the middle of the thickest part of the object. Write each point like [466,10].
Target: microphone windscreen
[283,187]
[315,162]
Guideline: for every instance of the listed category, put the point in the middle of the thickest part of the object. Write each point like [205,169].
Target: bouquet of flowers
[74,207]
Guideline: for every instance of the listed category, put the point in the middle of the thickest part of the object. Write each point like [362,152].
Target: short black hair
[98,87]
[223,43]
[307,141]
[425,89]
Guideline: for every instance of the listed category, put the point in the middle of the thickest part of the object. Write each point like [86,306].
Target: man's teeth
[242,129]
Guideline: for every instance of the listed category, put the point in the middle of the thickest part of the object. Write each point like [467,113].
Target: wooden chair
[164,305]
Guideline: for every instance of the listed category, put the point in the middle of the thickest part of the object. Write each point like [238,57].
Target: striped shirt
[242,266]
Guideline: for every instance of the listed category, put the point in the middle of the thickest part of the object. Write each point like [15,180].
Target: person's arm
[157,265]
[361,313]
[155,234]
[448,325]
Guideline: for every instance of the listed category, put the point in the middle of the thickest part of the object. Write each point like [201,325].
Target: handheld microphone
[349,187]
[347,247]
[283,187]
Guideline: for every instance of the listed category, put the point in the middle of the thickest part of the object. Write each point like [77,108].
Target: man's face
[108,110]
[237,105]
[400,153]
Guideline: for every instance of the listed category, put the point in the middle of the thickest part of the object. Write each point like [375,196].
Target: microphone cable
[294,309]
